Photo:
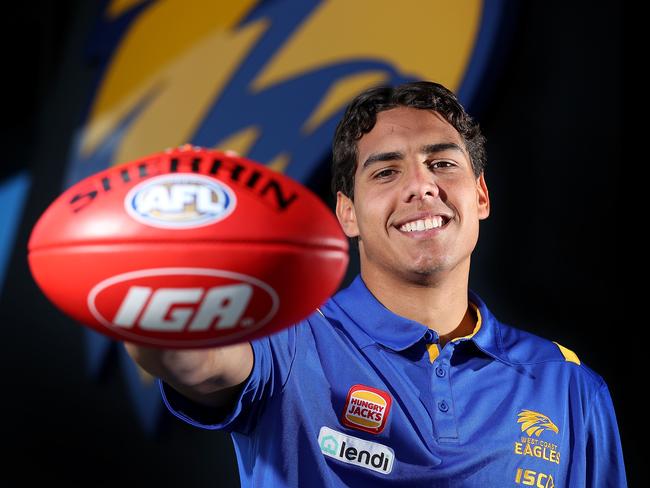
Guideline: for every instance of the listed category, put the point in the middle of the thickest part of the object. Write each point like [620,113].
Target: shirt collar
[398,333]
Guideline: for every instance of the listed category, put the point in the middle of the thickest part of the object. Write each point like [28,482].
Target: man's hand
[207,376]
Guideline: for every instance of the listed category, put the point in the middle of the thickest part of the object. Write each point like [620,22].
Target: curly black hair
[361,116]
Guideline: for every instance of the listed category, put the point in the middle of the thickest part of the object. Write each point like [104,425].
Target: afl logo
[180,201]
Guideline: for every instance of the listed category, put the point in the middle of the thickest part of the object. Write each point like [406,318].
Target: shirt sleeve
[273,359]
[605,466]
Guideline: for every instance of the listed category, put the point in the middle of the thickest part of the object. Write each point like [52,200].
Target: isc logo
[533,478]
[195,303]
[180,201]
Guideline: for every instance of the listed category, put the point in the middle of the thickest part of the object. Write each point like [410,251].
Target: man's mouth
[424,224]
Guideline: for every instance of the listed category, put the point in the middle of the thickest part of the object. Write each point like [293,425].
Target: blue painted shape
[144,395]
[79,167]
[281,128]
[13,192]
[485,61]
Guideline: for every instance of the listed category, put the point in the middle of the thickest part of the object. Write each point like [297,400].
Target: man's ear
[346,215]
[482,197]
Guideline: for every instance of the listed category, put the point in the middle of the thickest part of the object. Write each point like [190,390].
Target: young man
[405,378]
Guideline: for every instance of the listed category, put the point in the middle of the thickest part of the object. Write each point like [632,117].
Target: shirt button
[443,406]
[440,373]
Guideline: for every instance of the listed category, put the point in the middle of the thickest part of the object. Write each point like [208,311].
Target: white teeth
[422,224]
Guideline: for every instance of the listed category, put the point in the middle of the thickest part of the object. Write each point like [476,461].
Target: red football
[188,248]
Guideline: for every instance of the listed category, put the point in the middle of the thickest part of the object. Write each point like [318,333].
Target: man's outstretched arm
[211,377]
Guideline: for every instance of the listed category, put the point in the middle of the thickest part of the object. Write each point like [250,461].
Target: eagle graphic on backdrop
[268,79]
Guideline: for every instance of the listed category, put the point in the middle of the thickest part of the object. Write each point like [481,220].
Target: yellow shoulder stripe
[568,354]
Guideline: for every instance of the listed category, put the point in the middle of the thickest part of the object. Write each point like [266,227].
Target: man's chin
[425,274]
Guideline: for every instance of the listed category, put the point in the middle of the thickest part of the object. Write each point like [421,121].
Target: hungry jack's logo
[367,409]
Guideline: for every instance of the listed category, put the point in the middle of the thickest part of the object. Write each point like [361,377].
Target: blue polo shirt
[356,395]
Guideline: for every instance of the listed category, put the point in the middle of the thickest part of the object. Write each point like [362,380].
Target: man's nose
[420,182]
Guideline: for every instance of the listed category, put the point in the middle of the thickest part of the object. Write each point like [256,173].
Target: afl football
[188,248]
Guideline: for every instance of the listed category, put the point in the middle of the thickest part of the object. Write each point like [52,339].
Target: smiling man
[405,378]
[419,200]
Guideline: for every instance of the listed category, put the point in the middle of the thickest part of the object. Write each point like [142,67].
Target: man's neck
[441,305]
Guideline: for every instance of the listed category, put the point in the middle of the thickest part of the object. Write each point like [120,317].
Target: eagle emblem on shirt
[535,423]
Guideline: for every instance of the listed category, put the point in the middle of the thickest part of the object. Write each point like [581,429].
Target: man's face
[413,174]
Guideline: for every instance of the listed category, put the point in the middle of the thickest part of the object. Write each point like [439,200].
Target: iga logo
[180,201]
[194,305]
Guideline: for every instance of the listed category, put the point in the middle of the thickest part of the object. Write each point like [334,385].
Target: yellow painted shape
[430,40]
[241,141]
[568,354]
[170,48]
[183,55]
[118,7]
[280,162]
[339,94]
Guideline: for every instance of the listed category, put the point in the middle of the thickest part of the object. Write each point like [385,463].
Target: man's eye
[384,173]
[435,164]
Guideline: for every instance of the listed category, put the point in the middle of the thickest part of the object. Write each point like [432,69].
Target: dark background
[547,259]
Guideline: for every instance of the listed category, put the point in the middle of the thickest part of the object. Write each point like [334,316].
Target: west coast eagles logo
[534,423]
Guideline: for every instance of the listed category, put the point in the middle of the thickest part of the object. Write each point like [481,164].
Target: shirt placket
[443,411]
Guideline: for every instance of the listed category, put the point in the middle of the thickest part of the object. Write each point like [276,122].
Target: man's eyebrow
[385,156]
[441,146]
[397,155]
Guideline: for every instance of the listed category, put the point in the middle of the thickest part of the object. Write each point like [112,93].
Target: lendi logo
[359,452]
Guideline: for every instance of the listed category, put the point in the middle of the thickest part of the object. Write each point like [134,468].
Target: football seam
[310,246]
